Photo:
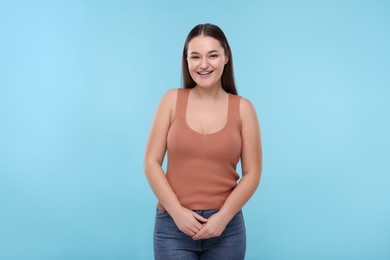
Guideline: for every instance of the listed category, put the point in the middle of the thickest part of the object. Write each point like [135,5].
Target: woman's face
[206,60]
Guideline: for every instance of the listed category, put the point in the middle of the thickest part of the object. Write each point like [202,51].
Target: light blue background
[79,85]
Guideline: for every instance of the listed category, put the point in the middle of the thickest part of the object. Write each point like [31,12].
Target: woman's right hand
[188,221]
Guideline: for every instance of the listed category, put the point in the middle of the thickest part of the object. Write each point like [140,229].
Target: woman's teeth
[204,72]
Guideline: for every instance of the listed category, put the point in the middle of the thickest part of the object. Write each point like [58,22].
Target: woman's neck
[210,93]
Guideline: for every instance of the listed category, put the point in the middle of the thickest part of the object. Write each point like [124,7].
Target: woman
[206,129]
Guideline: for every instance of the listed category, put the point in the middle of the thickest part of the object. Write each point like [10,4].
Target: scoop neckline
[213,133]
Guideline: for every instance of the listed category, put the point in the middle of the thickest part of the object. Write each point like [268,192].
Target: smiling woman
[206,129]
[204,65]
[204,44]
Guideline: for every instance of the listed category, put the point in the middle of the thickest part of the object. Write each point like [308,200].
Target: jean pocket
[161,213]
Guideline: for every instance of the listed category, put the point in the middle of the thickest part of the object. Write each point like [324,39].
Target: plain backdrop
[79,85]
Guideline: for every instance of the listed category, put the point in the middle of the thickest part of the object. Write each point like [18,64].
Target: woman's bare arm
[155,152]
[186,220]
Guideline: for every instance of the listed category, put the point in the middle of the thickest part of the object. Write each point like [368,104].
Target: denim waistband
[209,212]
[205,211]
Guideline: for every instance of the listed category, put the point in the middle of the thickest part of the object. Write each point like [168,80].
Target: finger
[197,222]
[190,233]
[200,235]
[198,226]
[195,237]
[195,230]
[199,217]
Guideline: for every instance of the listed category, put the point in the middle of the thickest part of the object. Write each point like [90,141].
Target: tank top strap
[234,110]
[181,102]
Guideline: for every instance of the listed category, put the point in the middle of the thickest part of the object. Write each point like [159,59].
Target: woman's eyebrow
[194,52]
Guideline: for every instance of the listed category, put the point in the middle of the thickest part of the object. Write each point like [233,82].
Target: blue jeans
[172,244]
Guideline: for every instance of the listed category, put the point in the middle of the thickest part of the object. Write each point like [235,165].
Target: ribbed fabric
[201,168]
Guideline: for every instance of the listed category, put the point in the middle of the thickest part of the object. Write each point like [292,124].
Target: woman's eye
[214,56]
[194,57]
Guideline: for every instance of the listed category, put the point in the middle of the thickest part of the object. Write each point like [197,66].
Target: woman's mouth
[204,74]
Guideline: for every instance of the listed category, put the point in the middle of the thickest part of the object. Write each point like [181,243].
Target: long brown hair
[212,30]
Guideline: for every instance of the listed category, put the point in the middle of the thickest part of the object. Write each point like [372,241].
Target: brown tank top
[201,168]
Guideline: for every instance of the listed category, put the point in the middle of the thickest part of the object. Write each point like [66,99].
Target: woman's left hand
[214,227]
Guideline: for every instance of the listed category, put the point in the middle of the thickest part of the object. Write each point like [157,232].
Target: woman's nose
[203,63]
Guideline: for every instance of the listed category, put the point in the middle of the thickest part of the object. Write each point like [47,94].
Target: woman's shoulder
[168,101]
[245,103]
[169,96]
[247,109]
